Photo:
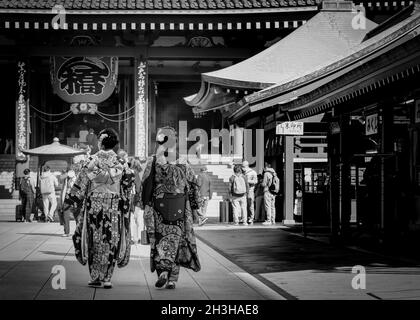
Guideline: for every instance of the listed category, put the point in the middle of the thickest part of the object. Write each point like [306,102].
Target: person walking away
[259,200]
[169,194]
[99,201]
[137,223]
[48,183]
[204,183]
[27,193]
[251,177]
[9,146]
[238,190]
[68,179]
[271,186]
[92,141]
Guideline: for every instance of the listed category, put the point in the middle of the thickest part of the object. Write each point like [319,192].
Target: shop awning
[326,38]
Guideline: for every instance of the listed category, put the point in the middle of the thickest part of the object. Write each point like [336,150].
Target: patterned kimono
[100,202]
[172,244]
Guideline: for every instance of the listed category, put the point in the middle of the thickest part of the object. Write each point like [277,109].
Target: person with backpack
[271,184]
[48,183]
[27,193]
[238,190]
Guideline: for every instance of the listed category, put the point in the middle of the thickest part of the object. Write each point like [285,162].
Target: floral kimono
[99,201]
[168,217]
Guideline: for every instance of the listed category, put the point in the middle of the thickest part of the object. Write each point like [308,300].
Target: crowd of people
[118,201]
[253,196]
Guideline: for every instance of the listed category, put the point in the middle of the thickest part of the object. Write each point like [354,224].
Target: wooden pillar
[344,206]
[141,108]
[22,115]
[238,137]
[288,181]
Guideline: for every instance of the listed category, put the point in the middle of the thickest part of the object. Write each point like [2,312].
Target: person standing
[99,200]
[48,183]
[169,194]
[270,179]
[137,223]
[251,177]
[92,141]
[27,193]
[238,190]
[204,183]
[68,179]
[259,200]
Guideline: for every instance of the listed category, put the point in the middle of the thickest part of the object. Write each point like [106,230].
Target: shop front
[370,97]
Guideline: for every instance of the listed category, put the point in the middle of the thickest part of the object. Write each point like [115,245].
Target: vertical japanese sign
[22,110]
[141,109]
[371,126]
[84,79]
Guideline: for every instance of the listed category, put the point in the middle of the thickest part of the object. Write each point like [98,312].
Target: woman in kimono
[169,194]
[99,200]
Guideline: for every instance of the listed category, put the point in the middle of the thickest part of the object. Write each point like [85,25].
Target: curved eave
[277,91]
[234,83]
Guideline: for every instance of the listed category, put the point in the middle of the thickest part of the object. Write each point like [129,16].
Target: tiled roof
[155,4]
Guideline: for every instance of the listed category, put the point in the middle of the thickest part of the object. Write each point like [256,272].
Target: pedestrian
[100,203]
[169,194]
[92,141]
[259,200]
[238,190]
[9,146]
[271,186]
[204,183]
[137,223]
[27,191]
[297,203]
[251,177]
[48,183]
[68,179]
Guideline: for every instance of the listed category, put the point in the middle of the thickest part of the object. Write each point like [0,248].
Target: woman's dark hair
[111,140]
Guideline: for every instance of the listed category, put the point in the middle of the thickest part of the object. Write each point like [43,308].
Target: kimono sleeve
[74,198]
[193,189]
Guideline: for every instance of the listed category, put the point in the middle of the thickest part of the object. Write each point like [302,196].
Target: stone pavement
[238,263]
[300,268]
[28,253]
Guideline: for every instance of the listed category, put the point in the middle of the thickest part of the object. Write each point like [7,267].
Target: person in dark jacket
[204,183]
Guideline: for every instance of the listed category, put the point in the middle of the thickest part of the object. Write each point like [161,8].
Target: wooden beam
[154,53]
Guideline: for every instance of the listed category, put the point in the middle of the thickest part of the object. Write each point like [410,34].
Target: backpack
[239,185]
[275,184]
[25,186]
[46,185]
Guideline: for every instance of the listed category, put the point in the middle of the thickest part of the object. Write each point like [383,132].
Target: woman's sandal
[163,278]
[107,285]
[170,285]
[95,283]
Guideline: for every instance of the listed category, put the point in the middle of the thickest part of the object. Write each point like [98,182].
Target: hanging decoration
[140,111]
[84,108]
[22,111]
[84,79]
